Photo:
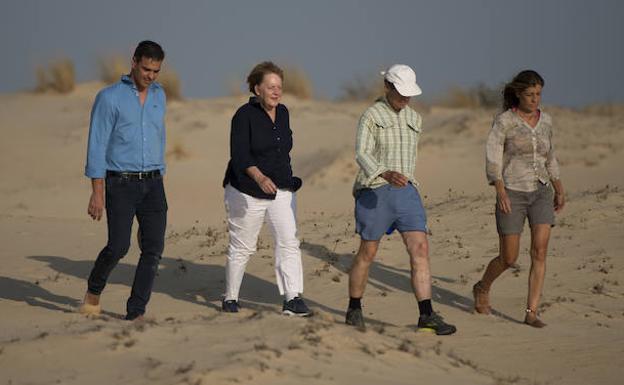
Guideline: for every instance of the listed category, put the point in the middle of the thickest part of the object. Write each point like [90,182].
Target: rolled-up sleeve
[552,165]
[103,118]
[240,143]
[494,148]
[364,150]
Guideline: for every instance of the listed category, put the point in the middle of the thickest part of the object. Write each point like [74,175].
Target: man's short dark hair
[150,50]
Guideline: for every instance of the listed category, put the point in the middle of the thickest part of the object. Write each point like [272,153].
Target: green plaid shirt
[386,141]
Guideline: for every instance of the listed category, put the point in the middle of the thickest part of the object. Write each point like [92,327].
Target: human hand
[559,201]
[395,178]
[503,202]
[96,205]
[267,185]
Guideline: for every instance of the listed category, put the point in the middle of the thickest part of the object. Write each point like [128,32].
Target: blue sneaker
[296,307]
[230,306]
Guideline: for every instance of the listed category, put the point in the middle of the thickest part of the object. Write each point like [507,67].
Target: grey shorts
[536,205]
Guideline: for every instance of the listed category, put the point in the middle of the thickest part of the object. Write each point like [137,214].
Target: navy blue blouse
[256,141]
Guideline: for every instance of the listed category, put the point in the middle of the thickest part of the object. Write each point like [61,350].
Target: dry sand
[49,244]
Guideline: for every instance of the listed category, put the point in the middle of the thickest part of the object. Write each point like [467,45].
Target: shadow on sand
[200,284]
[34,295]
[387,278]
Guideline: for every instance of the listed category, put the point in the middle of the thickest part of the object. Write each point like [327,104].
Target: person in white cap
[386,197]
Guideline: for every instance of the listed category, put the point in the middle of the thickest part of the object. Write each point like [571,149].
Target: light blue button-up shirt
[123,135]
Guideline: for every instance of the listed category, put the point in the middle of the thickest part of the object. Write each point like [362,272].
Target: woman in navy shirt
[259,183]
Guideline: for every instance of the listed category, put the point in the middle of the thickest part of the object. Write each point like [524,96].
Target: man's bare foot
[90,305]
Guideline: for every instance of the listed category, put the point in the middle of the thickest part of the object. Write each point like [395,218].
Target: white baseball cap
[403,78]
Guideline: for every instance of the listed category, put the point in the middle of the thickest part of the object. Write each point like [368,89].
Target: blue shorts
[386,208]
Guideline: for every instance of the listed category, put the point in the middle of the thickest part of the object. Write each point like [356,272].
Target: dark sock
[355,303]
[424,307]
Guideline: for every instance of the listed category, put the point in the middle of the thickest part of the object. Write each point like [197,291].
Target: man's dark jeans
[125,198]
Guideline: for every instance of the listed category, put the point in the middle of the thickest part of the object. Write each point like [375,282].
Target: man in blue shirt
[125,159]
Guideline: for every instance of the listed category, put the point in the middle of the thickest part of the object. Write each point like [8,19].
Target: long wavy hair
[518,84]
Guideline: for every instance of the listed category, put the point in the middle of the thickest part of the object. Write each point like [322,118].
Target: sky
[575,45]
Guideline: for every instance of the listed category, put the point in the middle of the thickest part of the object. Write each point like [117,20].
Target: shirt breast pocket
[386,133]
[413,131]
[157,114]
[414,126]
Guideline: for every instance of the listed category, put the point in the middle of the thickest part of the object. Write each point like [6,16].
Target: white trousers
[245,215]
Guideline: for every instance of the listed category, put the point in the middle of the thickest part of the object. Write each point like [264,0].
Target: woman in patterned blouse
[521,164]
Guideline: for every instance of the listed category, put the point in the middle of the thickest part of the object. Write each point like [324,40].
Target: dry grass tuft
[63,75]
[297,83]
[112,68]
[362,88]
[60,76]
[178,151]
[170,81]
[475,97]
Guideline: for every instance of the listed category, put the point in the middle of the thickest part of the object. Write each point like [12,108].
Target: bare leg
[418,250]
[509,249]
[358,275]
[540,235]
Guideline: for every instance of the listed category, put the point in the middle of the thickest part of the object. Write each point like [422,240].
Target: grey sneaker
[355,318]
[435,323]
[296,307]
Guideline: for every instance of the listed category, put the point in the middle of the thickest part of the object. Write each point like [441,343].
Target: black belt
[135,174]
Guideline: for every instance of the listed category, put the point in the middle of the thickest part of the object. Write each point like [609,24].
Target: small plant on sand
[480,96]
[112,68]
[59,76]
[171,83]
[178,151]
[362,88]
[297,83]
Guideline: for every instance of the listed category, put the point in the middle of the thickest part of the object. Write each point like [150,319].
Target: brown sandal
[532,320]
[481,299]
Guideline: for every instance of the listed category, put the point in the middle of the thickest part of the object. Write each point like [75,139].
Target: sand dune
[48,245]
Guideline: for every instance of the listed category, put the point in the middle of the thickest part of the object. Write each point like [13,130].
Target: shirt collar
[384,101]
[255,101]
[126,79]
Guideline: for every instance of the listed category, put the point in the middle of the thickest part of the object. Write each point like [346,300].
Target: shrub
[171,83]
[297,83]
[362,88]
[178,151]
[112,68]
[474,97]
[60,76]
